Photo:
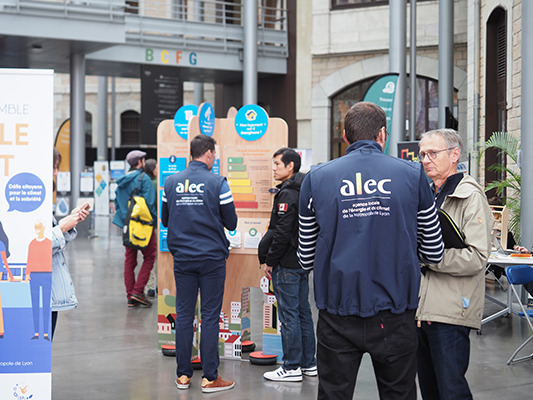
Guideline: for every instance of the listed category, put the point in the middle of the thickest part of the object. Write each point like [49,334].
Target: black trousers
[391,341]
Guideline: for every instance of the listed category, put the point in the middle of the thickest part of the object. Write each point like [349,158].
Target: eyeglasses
[432,154]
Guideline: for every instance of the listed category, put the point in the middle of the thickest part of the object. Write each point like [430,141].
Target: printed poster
[101,188]
[26,138]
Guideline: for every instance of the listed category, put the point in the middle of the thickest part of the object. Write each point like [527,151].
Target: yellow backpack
[138,224]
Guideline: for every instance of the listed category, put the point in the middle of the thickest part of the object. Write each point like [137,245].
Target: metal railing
[215,25]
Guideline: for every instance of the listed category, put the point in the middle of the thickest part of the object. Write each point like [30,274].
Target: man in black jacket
[277,254]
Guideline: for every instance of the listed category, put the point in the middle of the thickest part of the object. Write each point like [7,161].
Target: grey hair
[451,137]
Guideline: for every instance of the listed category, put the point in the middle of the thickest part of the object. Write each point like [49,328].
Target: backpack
[138,224]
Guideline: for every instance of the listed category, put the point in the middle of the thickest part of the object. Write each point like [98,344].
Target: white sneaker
[284,375]
[311,371]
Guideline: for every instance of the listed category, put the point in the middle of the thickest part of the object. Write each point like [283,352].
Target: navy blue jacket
[196,207]
[365,221]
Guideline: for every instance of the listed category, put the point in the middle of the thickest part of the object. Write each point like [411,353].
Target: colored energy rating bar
[238,167]
[246,204]
[240,182]
[241,189]
[235,160]
[243,197]
[238,175]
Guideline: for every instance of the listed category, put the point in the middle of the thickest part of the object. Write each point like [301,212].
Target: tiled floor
[103,350]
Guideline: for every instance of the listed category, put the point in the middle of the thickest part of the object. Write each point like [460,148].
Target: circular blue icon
[172,159]
[251,122]
[206,116]
[182,118]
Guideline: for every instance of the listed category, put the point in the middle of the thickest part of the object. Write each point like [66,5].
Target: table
[504,260]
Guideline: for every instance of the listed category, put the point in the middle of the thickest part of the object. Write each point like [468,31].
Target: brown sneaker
[217,385]
[141,298]
[183,382]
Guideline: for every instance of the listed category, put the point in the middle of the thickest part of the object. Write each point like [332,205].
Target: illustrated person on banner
[277,255]
[38,273]
[126,184]
[452,292]
[4,254]
[366,221]
[196,207]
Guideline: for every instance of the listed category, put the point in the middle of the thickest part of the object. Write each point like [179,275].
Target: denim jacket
[63,294]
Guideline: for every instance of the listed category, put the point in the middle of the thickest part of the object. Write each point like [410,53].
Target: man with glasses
[452,292]
[365,221]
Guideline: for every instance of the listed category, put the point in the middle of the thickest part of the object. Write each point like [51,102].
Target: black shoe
[46,337]
[133,303]
[151,293]
[35,337]
[141,298]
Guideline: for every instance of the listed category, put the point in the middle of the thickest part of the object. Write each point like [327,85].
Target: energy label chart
[249,175]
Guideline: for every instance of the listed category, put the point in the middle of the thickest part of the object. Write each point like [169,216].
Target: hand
[10,277]
[82,211]
[69,222]
[521,249]
[27,278]
[267,270]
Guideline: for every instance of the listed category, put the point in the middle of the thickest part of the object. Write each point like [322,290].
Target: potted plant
[508,188]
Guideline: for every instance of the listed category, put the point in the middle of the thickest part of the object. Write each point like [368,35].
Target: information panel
[26,129]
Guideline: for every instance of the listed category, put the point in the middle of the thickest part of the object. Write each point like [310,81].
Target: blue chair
[519,275]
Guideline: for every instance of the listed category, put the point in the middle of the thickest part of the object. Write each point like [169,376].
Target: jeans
[136,286]
[291,287]
[208,276]
[443,355]
[391,341]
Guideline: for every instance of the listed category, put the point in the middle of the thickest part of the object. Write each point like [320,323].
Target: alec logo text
[360,187]
[188,187]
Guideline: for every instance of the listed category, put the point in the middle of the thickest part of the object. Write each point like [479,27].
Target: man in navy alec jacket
[366,219]
[196,207]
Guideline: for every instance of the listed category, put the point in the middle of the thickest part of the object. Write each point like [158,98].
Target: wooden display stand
[247,165]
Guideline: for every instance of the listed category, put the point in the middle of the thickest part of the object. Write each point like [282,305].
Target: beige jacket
[453,291]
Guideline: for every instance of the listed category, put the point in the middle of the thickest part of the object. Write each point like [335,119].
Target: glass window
[427,112]
[130,128]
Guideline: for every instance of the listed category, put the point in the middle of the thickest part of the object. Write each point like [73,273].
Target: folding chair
[519,275]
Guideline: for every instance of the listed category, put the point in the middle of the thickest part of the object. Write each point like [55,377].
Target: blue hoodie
[366,219]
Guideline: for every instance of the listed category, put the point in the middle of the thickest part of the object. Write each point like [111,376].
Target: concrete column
[77,124]
[198,93]
[526,213]
[101,150]
[445,59]
[397,61]
[113,118]
[412,73]
[198,86]
[249,95]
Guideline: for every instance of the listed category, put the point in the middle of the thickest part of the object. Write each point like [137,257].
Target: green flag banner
[382,93]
